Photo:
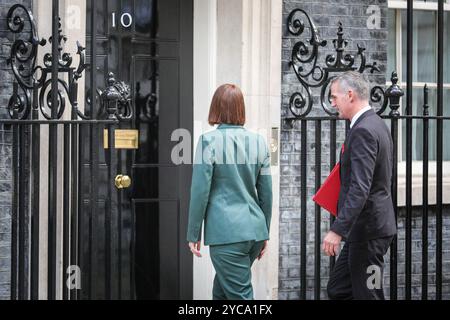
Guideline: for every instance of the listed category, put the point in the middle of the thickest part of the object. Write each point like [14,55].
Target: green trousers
[233,262]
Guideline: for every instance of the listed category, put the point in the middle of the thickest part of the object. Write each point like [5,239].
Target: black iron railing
[39,100]
[311,74]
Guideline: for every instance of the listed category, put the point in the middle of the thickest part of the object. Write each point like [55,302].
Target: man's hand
[331,243]
[195,248]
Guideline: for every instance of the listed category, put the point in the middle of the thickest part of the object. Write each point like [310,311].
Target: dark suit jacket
[365,209]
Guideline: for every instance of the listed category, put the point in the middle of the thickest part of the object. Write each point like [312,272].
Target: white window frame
[417,178]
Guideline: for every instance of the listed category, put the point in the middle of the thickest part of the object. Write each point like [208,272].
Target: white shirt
[359,114]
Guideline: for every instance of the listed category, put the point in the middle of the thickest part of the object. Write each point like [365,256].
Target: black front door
[137,249]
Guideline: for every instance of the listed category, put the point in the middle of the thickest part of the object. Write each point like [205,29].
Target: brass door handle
[122,181]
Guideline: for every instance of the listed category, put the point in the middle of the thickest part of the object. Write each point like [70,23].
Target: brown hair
[227,106]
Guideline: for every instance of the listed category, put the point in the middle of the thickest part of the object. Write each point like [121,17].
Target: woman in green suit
[232,192]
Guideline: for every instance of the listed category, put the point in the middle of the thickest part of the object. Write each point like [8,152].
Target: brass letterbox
[124,139]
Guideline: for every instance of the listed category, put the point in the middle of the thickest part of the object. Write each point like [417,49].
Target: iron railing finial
[394,93]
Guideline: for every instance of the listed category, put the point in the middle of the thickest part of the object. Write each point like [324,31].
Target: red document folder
[328,194]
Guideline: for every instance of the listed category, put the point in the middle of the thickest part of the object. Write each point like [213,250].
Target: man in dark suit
[366,219]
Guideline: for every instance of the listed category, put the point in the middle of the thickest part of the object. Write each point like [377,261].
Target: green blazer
[231,187]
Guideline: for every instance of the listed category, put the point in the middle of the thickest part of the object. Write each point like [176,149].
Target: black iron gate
[311,75]
[44,128]
[104,239]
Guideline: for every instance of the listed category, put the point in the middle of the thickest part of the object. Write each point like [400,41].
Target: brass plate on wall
[124,139]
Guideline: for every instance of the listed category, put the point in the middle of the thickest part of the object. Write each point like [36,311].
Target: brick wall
[416,249]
